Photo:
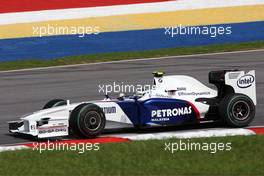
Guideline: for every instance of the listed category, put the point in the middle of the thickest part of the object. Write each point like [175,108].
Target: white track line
[77,13]
[188,134]
[184,134]
[132,60]
[12,148]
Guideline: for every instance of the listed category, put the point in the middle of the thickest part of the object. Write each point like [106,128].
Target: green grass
[34,63]
[142,158]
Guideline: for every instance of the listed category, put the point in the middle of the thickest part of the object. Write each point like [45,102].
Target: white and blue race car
[173,100]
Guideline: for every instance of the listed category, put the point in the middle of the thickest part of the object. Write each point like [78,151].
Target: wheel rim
[241,110]
[92,120]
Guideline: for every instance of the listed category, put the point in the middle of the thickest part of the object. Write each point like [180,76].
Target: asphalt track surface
[22,92]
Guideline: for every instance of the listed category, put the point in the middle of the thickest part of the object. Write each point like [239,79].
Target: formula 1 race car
[172,100]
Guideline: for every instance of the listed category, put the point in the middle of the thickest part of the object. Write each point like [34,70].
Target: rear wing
[242,82]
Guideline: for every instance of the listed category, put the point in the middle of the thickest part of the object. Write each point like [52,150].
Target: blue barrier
[60,46]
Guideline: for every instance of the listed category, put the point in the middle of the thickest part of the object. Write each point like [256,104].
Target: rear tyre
[237,110]
[87,120]
[55,103]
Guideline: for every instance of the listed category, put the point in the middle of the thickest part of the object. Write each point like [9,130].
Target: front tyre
[87,120]
[237,110]
[55,103]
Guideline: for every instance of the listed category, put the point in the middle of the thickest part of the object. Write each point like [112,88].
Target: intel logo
[245,81]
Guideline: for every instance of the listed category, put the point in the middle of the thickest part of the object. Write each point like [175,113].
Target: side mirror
[171,92]
[106,97]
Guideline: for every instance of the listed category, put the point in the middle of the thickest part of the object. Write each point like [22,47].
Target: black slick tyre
[87,120]
[55,103]
[237,110]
